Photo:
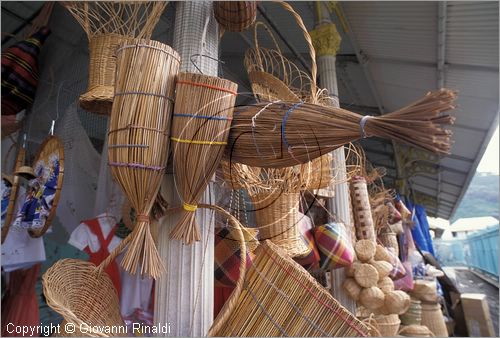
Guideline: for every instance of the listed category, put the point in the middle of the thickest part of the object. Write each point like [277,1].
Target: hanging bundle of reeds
[288,133]
[203,113]
[138,137]
[107,24]
[281,298]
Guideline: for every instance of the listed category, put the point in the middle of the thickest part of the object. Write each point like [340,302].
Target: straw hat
[26,172]
[8,178]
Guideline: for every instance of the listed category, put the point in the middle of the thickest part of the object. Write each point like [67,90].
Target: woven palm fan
[203,113]
[235,16]
[13,193]
[107,24]
[289,133]
[138,137]
[280,298]
[39,207]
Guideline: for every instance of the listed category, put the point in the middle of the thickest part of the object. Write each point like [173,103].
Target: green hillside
[481,199]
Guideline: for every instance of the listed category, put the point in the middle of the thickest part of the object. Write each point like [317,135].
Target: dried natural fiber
[415,330]
[282,299]
[351,288]
[365,249]
[107,25]
[397,301]
[388,325]
[200,126]
[371,298]
[277,218]
[362,210]
[52,149]
[82,296]
[383,268]
[424,290]
[386,284]
[433,318]
[413,316]
[13,193]
[235,16]
[389,240]
[381,254]
[289,133]
[366,275]
[138,138]
[349,271]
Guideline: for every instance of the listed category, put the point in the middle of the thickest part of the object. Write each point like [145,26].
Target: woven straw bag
[433,318]
[424,290]
[352,288]
[397,302]
[386,284]
[371,298]
[383,268]
[388,325]
[366,275]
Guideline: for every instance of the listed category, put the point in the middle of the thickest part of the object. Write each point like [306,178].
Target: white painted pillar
[184,295]
[327,41]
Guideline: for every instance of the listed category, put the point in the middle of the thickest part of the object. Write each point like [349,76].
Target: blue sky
[489,162]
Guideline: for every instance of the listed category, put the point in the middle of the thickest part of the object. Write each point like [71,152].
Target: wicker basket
[383,268]
[365,249]
[371,298]
[388,325]
[381,254]
[277,219]
[351,288]
[283,299]
[235,16]
[413,316]
[397,302]
[74,289]
[389,240]
[386,284]
[433,318]
[424,290]
[366,275]
[414,330]
[361,209]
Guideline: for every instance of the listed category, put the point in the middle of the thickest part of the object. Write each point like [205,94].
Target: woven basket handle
[257,47]
[312,51]
[372,325]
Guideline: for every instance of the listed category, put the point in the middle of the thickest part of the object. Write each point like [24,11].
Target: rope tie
[285,119]
[189,207]
[362,124]
[210,143]
[142,218]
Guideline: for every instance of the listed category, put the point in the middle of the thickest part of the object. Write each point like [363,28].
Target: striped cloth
[334,246]
[20,72]
[227,259]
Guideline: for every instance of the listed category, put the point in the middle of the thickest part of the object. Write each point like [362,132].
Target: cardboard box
[477,315]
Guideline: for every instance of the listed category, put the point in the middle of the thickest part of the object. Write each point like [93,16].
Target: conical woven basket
[389,240]
[277,219]
[361,208]
[281,298]
[388,325]
[433,318]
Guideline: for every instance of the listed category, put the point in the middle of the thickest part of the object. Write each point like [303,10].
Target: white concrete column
[327,41]
[184,295]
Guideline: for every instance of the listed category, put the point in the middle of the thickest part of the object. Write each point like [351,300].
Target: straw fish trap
[138,137]
[107,25]
[280,298]
[49,165]
[277,218]
[21,154]
[235,16]
[200,127]
[362,210]
[288,133]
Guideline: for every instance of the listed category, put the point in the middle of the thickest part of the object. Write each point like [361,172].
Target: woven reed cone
[383,268]
[366,275]
[397,301]
[433,318]
[365,249]
[371,298]
[414,330]
[102,66]
[381,254]
[138,138]
[386,284]
[389,240]
[235,16]
[424,290]
[277,219]
[388,325]
[351,288]
[200,127]
[82,296]
[362,210]
[282,299]
[349,270]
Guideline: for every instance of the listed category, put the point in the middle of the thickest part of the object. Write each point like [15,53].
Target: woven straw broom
[288,133]
[107,25]
[200,127]
[138,137]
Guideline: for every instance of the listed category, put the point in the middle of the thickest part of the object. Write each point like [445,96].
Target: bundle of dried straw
[107,24]
[203,113]
[138,137]
[282,134]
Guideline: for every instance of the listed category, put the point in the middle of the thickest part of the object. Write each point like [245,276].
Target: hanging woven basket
[280,298]
[388,325]
[235,16]
[433,318]
[361,208]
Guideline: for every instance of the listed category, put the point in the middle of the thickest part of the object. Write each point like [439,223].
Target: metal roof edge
[478,159]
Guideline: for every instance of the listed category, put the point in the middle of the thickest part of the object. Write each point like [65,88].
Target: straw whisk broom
[287,133]
[200,128]
[138,138]
[107,24]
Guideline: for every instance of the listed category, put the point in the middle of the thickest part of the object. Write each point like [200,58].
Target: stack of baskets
[413,316]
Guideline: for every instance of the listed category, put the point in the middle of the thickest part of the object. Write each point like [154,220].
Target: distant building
[463,226]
